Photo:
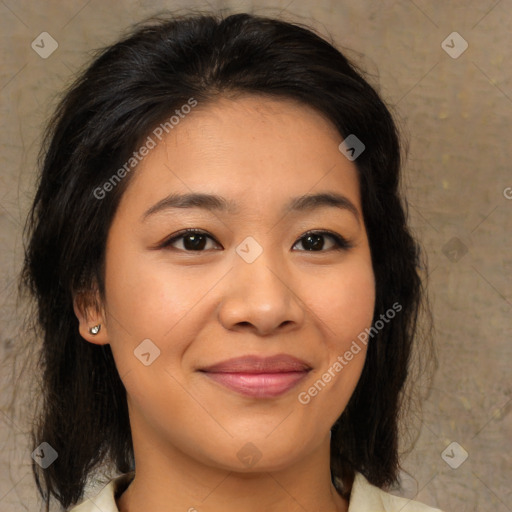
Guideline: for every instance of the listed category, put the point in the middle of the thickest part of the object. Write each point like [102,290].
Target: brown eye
[314,241]
[196,240]
[192,240]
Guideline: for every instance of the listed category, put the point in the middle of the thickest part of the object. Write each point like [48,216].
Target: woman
[226,285]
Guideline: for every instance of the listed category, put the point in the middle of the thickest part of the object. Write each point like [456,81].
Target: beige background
[456,114]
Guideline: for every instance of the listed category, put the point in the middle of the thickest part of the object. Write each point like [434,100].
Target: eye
[313,241]
[193,240]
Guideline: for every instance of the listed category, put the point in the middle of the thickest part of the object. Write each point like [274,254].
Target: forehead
[255,150]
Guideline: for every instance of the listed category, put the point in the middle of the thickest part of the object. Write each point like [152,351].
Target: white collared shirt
[363,498]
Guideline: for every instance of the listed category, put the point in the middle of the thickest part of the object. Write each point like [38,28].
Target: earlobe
[92,325]
[94,333]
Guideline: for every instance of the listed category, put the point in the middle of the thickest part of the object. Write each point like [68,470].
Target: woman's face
[252,284]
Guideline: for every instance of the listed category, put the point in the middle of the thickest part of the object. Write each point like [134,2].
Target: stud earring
[95,330]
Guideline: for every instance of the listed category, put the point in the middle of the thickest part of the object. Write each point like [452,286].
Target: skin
[200,308]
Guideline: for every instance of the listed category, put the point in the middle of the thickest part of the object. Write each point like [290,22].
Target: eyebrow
[212,202]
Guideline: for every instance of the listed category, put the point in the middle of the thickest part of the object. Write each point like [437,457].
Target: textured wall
[455,107]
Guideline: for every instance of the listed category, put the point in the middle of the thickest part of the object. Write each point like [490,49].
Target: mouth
[259,377]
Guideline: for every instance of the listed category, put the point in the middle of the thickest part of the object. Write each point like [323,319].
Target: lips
[259,377]
[255,364]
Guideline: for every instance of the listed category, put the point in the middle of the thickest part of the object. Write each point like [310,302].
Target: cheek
[143,294]
[346,302]
[148,299]
[345,307]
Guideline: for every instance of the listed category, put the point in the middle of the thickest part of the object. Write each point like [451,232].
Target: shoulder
[105,500]
[368,498]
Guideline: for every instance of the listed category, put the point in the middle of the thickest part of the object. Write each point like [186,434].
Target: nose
[261,297]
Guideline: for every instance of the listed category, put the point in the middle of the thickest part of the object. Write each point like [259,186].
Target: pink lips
[261,377]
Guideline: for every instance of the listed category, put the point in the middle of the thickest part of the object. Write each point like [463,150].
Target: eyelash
[341,242]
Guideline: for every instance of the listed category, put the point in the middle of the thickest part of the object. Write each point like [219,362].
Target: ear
[90,313]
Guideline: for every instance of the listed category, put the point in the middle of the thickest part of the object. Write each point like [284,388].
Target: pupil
[197,242]
[317,241]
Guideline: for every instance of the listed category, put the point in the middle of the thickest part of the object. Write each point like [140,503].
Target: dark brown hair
[129,88]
